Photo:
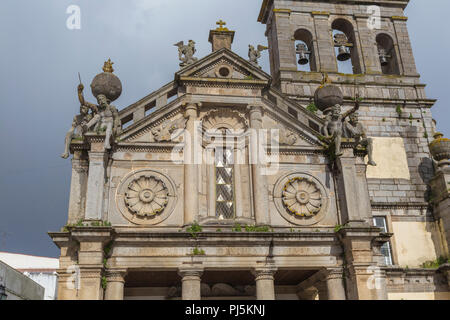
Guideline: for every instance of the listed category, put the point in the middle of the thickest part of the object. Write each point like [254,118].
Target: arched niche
[343,27]
[387,54]
[305,38]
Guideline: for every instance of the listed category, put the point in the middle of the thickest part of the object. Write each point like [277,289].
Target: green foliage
[104,283]
[312,107]
[338,227]
[198,252]
[249,77]
[194,229]
[436,263]
[257,229]
[384,119]
[219,230]
[237,228]
[425,135]
[399,110]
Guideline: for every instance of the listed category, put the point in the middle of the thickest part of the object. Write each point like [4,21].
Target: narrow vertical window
[380,222]
[224,183]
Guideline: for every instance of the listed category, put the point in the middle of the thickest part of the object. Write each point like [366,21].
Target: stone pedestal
[90,260]
[96,181]
[260,190]
[365,280]
[354,199]
[265,287]
[440,197]
[78,187]
[190,167]
[190,283]
[115,284]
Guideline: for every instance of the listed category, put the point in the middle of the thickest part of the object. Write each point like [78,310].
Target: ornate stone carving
[355,129]
[186,53]
[226,118]
[147,196]
[302,197]
[169,130]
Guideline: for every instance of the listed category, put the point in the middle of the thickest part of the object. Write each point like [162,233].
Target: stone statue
[103,120]
[188,51]
[79,122]
[355,129]
[334,124]
[255,54]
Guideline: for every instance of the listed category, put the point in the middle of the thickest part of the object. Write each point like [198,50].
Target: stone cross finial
[221,24]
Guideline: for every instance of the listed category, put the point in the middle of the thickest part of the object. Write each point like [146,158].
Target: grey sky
[40,58]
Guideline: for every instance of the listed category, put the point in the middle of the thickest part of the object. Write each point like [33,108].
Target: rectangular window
[293,112]
[381,222]
[224,160]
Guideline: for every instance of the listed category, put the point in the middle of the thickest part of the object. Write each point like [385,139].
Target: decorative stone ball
[440,147]
[108,84]
[328,96]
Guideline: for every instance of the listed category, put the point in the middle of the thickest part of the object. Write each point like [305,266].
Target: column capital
[264,273]
[194,106]
[334,273]
[116,275]
[252,108]
[190,272]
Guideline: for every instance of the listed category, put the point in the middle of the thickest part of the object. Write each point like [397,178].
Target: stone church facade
[230,183]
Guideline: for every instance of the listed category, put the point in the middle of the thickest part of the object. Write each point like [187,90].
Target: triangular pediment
[225,65]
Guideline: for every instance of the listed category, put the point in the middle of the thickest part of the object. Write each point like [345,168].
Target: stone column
[190,283]
[335,284]
[370,61]
[78,186]
[327,57]
[406,57]
[265,287]
[96,180]
[115,284]
[259,181]
[190,167]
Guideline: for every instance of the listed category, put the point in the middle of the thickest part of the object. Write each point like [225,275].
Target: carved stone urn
[107,83]
[327,96]
[440,149]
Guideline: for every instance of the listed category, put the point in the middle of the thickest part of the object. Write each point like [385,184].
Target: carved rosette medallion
[302,197]
[147,196]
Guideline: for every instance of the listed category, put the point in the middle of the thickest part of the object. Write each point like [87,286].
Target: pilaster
[191,199]
[259,180]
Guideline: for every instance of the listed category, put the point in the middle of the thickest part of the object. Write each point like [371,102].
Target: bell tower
[346,39]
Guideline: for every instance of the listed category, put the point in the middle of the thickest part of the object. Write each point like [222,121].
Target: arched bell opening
[387,54]
[304,49]
[345,47]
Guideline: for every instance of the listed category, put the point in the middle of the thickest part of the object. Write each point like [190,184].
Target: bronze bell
[344,53]
[303,53]
[384,58]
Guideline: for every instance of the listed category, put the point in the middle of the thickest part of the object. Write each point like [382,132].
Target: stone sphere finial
[440,148]
[107,83]
[327,95]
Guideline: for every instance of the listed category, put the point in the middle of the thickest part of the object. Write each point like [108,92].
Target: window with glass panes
[381,222]
[224,183]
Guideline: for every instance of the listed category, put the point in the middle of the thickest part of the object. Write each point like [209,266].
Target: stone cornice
[219,82]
